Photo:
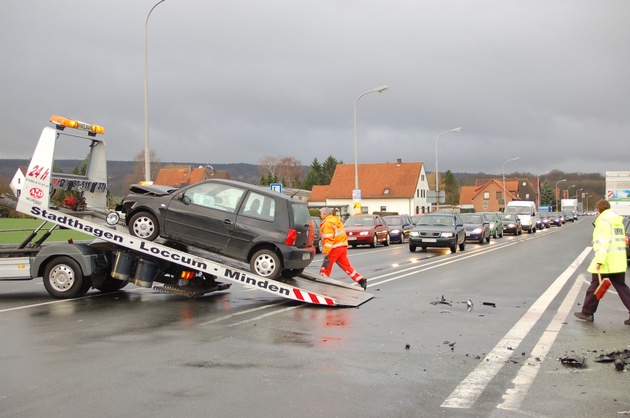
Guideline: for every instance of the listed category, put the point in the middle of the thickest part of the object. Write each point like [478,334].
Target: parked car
[438,230]
[477,227]
[555,218]
[367,229]
[496,224]
[269,230]
[511,224]
[317,239]
[568,216]
[399,227]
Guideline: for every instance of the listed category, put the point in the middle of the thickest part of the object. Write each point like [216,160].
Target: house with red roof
[487,194]
[385,187]
[180,177]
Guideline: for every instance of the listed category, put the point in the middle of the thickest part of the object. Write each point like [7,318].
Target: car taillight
[291,237]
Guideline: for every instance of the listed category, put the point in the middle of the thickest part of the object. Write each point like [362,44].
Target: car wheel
[488,239]
[462,246]
[374,241]
[63,278]
[412,248]
[482,239]
[266,263]
[454,248]
[387,241]
[319,247]
[144,225]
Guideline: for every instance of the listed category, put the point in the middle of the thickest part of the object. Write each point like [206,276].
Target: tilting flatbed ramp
[306,287]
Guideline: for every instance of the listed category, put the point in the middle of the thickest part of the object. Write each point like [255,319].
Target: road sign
[276,187]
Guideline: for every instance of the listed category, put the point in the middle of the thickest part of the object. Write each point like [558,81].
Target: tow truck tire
[63,278]
[266,263]
[112,285]
[144,225]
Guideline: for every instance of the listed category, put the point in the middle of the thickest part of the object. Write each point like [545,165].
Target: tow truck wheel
[266,263]
[112,285]
[144,225]
[63,278]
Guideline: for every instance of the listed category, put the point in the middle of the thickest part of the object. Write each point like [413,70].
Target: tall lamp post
[504,195]
[577,192]
[556,192]
[437,173]
[568,195]
[356,193]
[586,196]
[147,161]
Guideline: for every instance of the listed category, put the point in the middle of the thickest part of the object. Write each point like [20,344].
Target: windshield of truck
[518,210]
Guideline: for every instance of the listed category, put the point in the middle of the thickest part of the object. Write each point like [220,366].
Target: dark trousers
[618,280]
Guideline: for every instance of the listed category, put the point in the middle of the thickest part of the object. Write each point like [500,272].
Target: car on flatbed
[438,230]
[269,230]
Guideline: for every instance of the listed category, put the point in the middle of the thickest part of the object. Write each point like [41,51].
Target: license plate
[352,238]
[429,240]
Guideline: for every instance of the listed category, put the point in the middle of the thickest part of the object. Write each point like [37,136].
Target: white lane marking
[469,390]
[513,398]
[223,318]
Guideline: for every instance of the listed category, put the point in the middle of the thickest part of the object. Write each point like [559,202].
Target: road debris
[611,357]
[573,361]
[494,305]
[442,301]
[469,305]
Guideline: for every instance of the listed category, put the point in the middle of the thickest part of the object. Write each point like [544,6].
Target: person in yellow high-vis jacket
[335,247]
[610,260]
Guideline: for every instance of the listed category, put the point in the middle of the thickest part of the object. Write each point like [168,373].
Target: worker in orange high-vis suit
[335,247]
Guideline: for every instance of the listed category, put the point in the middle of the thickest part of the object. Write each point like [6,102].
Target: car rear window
[301,216]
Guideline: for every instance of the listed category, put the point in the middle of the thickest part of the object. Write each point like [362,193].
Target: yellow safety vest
[609,244]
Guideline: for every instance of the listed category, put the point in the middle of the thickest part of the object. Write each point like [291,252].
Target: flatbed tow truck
[115,258]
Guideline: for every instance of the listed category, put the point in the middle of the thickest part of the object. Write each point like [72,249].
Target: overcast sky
[236,80]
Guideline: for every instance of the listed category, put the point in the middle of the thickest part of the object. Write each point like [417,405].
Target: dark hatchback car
[269,230]
[399,227]
[438,230]
[366,229]
[511,224]
[477,227]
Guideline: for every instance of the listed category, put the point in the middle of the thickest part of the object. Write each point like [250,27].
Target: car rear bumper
[297,258]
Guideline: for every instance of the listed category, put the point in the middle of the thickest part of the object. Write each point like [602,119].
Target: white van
[526,211]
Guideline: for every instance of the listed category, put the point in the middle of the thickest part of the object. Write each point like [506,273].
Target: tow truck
[114,258]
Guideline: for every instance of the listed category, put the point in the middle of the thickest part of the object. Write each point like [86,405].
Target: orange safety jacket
[333,234]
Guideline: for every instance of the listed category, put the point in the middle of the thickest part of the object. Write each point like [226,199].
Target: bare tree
[138,167]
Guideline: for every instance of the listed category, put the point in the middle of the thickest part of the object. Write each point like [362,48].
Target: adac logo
[36,193]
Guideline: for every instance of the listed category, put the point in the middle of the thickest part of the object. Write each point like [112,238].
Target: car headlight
[414,234]
[395,231]
[364,233]
[477,231]
[447,234]
[112,218]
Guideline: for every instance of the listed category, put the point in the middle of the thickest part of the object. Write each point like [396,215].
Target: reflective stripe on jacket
[609,244]
[333,234]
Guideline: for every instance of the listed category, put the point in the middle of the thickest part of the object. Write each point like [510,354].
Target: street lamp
[437,173]
[357,193]
[147,162]
[577,192]
[504,195]
[586,196]
[556,192]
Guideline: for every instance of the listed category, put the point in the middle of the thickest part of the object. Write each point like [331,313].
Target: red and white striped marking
[312,298]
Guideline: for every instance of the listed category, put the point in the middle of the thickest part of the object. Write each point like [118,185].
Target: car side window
[216,196]
[259,206]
